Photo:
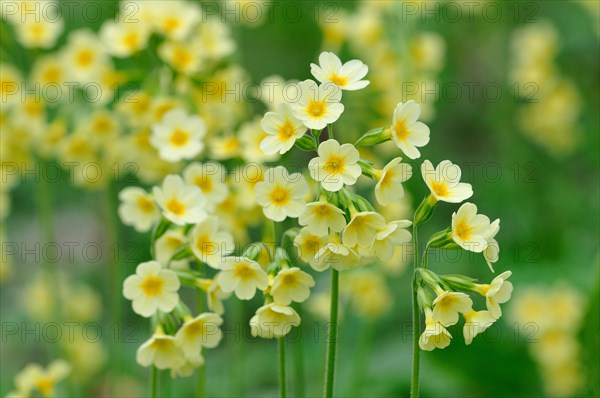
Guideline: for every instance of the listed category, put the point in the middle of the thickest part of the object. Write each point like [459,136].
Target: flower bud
[253,251]
[374,137]
[441,239]
[306,143]
[459,282]
[423,298]
[425,210]
[429,278]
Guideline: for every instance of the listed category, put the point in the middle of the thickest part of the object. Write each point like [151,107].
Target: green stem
[414,392]
[299,363]
[282,378]
[330,131]
[201,376]
[154,382]
[332,338]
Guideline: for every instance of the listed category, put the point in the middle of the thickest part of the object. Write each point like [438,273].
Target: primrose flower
[406,131]
[308,244]
[152,288]
[386,240]
[336,255]
[198,332]
[389,181]
[443,182]
[496,293]
[283,130]
[209,244]
[186,367]
[242,276]
[160,351]
[167,245]
[476,322]
[183,57]
[281,194]
[362,228]
[181,204]
[210,178]
[347,76]
[214,294]
[36,30]
[317,106]
[335,166]
[34,378]
[435,334]
[138,209]
[84,56]
[273,320]
[469,229]
[175,19]
[124,39]
[492,251]
[447,305]
[178,136]
[291,284]
[322,217]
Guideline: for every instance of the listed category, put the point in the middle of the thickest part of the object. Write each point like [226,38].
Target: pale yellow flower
[273,320]
[242,276]
[291,284]
[152,288]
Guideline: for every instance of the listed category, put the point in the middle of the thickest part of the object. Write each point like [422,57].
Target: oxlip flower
[152,288]
[447,305]
[178,136]
[138,209]
[443,182]
[273,320]
[435,334]
[476,322]
[322,217]
[335,166]
[317,106]
[281,194]
[180,203]
[347,76]
[389,181]
[469,229]
[241,276]
[201,331]
[291,284]
[496,293]
[406,131]
[283,130]
[209,244]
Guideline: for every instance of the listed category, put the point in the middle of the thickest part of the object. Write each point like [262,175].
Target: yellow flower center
[386,179]
[194,329]
[439,188]
[401,130]
[243,271]
[181,58]
[160,344]
[145,204]
[205,183]
[289,279]
[446,302]
[160,110]
[131,40]
[286,131]
[171,24]
[334,164]
[52,74]
[173,242]
[176,207]
[312,244]
[316,108]
[179,138]
[101,124]
[45,385]
[204,244]
[322,211]
[152,285]
[338,80]
[280,196]
[84,58]
[463,230]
